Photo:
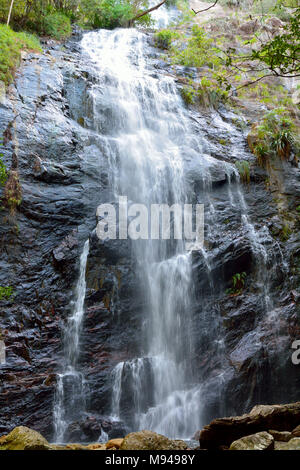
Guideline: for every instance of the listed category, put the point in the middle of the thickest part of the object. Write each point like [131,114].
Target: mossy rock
[293,444]
[23,438]
[114,443]
[148,440]
[259,441]
[223,431]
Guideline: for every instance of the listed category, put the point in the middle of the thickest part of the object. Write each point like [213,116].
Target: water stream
[71,391]
[146,136]
[150,133]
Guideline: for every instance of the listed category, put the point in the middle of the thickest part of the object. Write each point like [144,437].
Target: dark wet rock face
[40,243]
[63,176]
[258,441]
[249,431]
[241,356]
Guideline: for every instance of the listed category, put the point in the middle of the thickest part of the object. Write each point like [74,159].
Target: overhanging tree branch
[147,11]
[205,9]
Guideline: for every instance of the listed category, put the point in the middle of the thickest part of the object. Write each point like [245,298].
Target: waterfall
[71,388]
[149,133]
[258,247]
[145,133]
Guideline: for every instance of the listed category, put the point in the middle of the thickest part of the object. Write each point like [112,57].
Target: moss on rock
[148,440]
[23,438]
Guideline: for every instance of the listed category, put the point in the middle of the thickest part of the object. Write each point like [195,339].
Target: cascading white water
[164,15]
[145,133]
[70,391]
[146,141]
[259,250]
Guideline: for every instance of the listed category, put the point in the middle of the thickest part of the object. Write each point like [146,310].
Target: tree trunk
[10,10]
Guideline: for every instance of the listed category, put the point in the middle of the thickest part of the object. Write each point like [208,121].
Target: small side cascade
[256,238]
[71,393]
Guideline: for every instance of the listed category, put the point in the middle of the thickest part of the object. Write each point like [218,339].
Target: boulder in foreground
[114,443]
[296,431]
[223,431]
[23,438]
[148,440]
[293,444]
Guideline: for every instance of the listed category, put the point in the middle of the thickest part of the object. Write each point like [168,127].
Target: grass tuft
[11,45]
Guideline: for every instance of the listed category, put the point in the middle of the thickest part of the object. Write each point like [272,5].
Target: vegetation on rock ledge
[12,191]
[11,45]
[238,282]
[5,292]
[54,17]
[274,136]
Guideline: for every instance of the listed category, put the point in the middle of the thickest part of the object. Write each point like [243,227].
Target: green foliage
[11,44]
[112,14]
[198,51]
[244,170]
[171,3]
[3,172]
[28,41]
[210,94]
[270,94]
[57,25]
[275,136]
[164,38]
[280,8]
[285,232]
[265,54]
[6,292]
[206,93]
[282,53]
[238,283]
[188,94]
[186,13]
[31,14]
[12,192]
[54,17]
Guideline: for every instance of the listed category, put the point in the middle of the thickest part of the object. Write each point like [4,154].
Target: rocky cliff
[242,356]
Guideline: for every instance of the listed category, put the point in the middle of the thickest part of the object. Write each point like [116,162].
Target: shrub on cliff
[11,45]
[5,293]
[12,191]
[54,17]
[3,172]
[163,38]
[197,51]
[110,14]
[58,26]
